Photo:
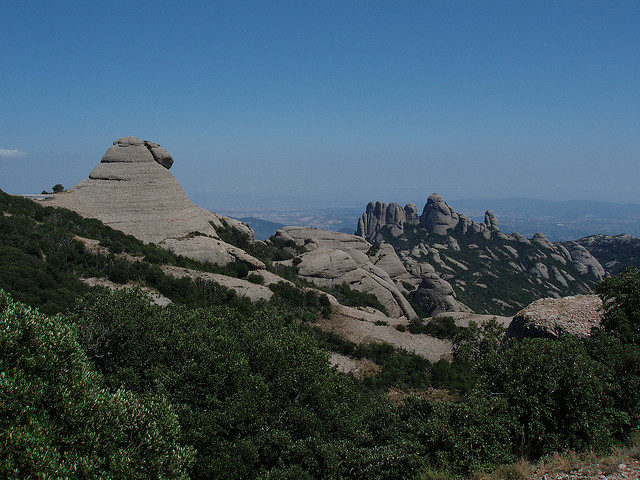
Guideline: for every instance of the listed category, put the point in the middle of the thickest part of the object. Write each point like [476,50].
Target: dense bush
[473,343]
[303,304]
[444,327]
[252,392]
[557,395]
[57,420]
[460,437]
[354,298]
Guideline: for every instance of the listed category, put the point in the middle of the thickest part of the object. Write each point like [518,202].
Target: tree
[57,188]
[621,300]
[473,343]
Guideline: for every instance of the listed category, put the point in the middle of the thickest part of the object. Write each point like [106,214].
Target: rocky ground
[627,470]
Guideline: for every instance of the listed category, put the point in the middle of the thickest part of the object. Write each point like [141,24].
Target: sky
[341,102]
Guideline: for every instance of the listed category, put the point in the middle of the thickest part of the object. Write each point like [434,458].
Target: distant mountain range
[557,220]
[466,264]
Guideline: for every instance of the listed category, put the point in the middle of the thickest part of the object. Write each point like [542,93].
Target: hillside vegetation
[104,384]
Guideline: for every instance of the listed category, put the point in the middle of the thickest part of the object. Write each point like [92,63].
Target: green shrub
[474,434]
[59,421]
[354,298]
[474,342]
[252,392]
[442,327]
[255,278]
[557,395]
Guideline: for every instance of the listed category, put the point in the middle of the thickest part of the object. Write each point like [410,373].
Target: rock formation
[378,214]
[132,190]
[477,264]
[555,317]
[613,253]
[435,295]
[333,258]
[437,217]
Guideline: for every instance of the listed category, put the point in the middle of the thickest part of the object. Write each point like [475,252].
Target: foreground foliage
[216,387]
[128,389]
[57,418]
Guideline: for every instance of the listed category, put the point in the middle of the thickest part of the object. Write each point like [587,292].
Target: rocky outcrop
[132,190]
[555,317]
[437,216]
[584,261]
[613,252]
[435,295]
[490,271]
[490,220]
[333,258]
[378,215]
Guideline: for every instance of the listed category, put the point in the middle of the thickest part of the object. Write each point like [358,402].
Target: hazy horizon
[346,102]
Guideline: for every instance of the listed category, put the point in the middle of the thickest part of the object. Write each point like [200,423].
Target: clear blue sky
[346,100]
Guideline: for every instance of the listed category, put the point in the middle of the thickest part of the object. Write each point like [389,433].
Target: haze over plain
[343,102]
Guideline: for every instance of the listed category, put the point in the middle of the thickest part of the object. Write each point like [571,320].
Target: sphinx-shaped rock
[132,190]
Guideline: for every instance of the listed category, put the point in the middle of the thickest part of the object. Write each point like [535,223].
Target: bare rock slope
[333,258]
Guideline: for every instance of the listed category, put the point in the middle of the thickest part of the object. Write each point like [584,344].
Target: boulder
[435,295]
[555,317]
[160,155]
[335,266]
